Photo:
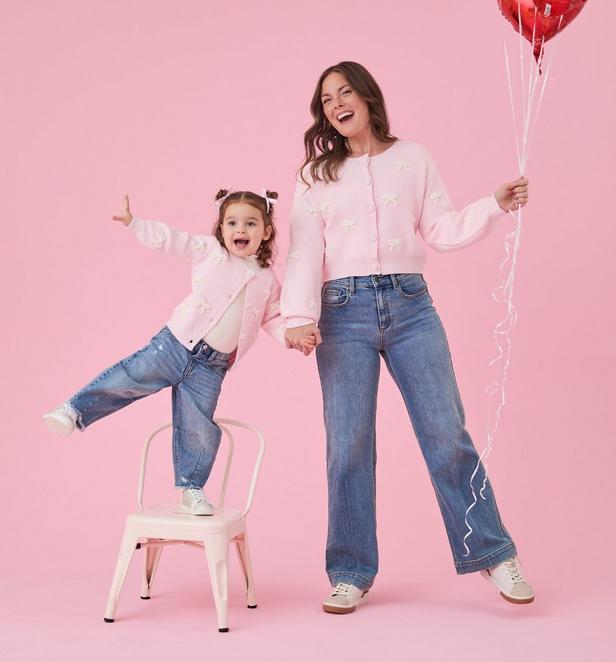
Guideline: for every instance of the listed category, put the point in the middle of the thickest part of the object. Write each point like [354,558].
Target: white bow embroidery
[220,258]
[319,210]
[294,255]
[202,305]
[158,241]
[436,196]
[349,224]
[198,245]
[312,303]
[390,198]
[403,165]
[395,243]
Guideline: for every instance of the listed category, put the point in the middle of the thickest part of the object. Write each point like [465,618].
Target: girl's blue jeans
[363,319]
[195,378]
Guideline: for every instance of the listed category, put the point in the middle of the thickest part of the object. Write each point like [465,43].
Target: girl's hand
[126,216]
[294,337]
[309,342]
[513,195]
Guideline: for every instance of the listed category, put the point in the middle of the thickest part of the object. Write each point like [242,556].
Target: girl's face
[243,229]
[345,110]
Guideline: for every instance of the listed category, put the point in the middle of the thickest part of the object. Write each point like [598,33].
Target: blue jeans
[195,378]
[362,319]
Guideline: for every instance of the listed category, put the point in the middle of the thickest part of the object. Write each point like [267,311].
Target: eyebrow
[248,218]
[338,90]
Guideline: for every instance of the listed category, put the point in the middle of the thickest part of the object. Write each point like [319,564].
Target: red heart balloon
[539,17]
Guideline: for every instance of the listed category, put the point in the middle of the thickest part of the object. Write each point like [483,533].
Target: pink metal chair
[150,529]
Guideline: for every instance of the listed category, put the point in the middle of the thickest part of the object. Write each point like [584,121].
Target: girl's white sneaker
[195,502]
[344,599]
[61,420]
[508,578]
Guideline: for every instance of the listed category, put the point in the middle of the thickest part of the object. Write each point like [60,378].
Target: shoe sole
[517,601]
[509,598]
[333,609]
[188,511]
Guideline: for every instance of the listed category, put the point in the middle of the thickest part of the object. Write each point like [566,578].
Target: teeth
[347,113]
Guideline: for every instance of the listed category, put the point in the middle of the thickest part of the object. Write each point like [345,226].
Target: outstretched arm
[161,237]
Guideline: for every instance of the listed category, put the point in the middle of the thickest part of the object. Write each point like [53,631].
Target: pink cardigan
[367,223]
[217,278]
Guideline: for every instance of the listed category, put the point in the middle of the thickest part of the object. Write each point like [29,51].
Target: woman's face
[345,110]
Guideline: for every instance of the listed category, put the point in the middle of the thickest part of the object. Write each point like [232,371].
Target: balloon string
[522,83]
[545,78]
[512,104]
[503,293]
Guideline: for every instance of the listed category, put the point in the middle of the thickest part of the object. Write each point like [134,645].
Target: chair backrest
[224,424]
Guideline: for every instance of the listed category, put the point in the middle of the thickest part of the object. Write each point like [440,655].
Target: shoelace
[197,494]
[342,589]
[514,572]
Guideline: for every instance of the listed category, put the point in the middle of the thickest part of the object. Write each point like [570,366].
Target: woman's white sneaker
[344,599]
[61,420]
[195,502]
[508,578]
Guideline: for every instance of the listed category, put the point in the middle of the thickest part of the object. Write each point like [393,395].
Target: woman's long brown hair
[326,149]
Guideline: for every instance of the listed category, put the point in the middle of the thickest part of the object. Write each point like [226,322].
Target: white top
[224,336]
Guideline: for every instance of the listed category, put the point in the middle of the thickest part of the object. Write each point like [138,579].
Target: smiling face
[243,229]
[345,110]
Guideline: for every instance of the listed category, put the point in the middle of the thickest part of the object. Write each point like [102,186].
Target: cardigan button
[367,181]
[372,209]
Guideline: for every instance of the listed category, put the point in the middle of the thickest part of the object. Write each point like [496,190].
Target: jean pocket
[333,296]
[411,285]
[218,364]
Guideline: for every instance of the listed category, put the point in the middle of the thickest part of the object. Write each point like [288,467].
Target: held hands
[126,217]
[513,195]
[303,338]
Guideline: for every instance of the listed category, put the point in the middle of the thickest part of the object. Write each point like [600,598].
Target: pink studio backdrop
[171,101]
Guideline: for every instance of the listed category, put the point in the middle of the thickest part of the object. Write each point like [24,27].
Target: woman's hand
[126,217]
[299,338]
[513,195]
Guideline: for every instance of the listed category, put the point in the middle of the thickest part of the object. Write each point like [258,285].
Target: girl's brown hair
[265,253]
[326,149]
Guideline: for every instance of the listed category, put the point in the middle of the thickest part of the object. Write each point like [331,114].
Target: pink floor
[432,616]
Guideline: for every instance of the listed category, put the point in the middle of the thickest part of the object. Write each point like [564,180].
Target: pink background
[171,101]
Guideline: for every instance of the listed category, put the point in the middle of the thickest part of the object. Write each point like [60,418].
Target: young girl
[234,291]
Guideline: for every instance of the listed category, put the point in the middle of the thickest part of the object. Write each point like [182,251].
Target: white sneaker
[508,578]
[195,502]
[344,599]
[61,420]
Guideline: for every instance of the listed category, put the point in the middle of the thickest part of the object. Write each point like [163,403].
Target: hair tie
[268,201]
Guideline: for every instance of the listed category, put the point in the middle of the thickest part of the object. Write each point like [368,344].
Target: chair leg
[127,549]
[216,552]
[243,551]
[152,556]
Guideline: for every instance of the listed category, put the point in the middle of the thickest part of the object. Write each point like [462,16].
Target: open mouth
[241,243]
[345,116]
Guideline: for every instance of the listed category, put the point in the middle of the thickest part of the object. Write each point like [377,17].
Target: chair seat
[171,521]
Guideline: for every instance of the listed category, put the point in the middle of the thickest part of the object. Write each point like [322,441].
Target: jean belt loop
[351,285]
[394,281]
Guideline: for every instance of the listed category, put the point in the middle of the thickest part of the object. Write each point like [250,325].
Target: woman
[354,268]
